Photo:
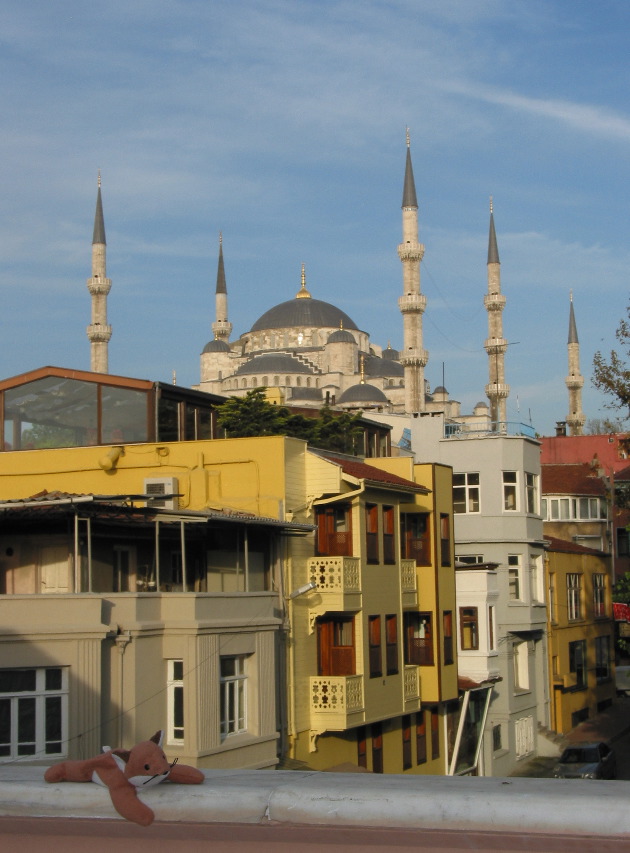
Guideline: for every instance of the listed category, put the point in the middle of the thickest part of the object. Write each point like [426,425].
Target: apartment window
[435,733]
[362,747]
[418,639]
[469,559]
[469,628]
[175,701]
[521,665]
[374,634]
[445,539]
[421,737]
[599,596]
[377,747]
[33,712]
[447,627]
[491,645]
[389,543]
[233,696]
[514,577]
[623,542]
[552,597]
[574,596]
[406,743]
[602,658]
[334,532]
[371,532]
[414,538]
[577,661]
[465,493]
[497,741]
[335,644]
[536,568]
[531,493]
[391,644]
[510,491]
[560,509]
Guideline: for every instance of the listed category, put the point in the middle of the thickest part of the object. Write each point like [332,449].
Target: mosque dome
[390,354]
[341,336]
[216,346]
[300,313]
[362,393]
[375,366]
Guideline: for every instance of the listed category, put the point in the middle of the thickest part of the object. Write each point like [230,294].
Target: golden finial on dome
[303,292]
[341,325]
[362,363]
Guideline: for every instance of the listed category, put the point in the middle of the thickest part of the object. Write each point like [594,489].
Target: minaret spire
[412,303]
[98,332]
[574,381]
[221,328]
[497,390]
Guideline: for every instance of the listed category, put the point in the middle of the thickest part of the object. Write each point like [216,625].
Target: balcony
[411,688]
[338,582]
[455,430]
[336,702]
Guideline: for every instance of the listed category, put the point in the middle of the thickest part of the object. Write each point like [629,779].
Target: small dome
[362,393]
[440,390]
[375,366]
[274,362]
[390,354]
[341,336]
[481,405]
[216,345]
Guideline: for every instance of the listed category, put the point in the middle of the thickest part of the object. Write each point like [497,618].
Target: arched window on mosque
[265,381]
[298,381]
[276,380]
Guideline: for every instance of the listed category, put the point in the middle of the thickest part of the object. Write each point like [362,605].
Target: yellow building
[581,633]
[371,656]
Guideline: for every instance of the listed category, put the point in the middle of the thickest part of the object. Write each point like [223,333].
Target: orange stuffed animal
[126,771]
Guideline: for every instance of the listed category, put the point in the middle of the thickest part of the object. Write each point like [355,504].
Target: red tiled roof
[363,471]
[566,547]
[578,479]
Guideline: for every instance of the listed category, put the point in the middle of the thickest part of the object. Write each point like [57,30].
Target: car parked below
[587,761]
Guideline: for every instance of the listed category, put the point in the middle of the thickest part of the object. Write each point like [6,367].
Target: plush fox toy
[125,772]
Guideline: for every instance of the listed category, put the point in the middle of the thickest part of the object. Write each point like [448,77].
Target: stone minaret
[412,303]
[221,328]
[574,381]
[496,345]
[99,285]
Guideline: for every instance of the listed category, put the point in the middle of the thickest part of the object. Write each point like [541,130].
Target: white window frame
[510,492]
[521,666]
[599,595]
[175,698]
[574,596]
[531,493]
[16,701]
[515,581]
[233,689]
[469,559]
[537,578]
[471,489]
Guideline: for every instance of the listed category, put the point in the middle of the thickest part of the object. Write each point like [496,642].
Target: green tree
[251,415]
[342,432]
[611,375]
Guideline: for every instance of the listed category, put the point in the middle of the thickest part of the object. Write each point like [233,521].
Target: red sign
[621,612]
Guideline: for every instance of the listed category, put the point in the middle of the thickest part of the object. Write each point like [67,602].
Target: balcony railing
[335,574]
[477,430]
[408,577]
[411,683]
[334,698]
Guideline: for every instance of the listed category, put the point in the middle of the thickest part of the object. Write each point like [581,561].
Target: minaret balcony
[497,390]
[494,301]
[222,328]
[98,286]
[410,251]
[99,333]
[412,303]
[493,346]
[414,357]
[573,383]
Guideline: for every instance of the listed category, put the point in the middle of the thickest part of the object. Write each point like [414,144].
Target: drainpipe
[122,641]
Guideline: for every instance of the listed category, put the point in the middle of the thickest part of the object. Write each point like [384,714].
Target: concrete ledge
[515,805]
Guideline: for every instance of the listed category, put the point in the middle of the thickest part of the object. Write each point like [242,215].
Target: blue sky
[282,123]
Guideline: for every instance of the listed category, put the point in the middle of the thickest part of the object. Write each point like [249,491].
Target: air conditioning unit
[162,492]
